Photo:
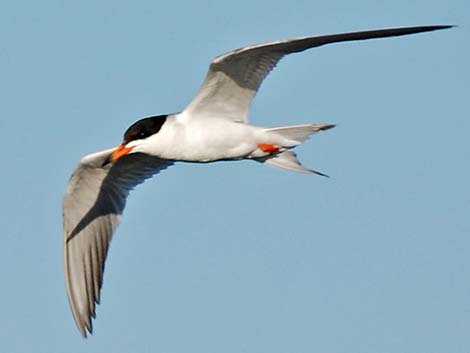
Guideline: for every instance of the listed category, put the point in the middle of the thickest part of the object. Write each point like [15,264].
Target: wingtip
[84,325]
[327,127]
[428,28]
[83,331]
[86,330]
[319,173]
[437,27]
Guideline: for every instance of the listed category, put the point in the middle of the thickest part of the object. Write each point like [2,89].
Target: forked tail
[298,134]
[291,137]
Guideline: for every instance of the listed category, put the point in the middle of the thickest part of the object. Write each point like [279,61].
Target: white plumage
[213,127]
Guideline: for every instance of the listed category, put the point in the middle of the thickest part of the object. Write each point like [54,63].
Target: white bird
[213,127]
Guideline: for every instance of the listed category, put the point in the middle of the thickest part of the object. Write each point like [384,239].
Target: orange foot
[267,147]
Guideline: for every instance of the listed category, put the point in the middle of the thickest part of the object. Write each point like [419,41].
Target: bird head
[136,134]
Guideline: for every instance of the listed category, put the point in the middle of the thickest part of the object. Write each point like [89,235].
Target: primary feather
[93,205]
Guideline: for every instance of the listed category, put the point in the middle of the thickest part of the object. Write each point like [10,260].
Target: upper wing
[234,78]
[93,205]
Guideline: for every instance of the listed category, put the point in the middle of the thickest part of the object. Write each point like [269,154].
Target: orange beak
[120,152]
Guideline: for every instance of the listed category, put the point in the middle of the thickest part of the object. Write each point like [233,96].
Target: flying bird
[213,127]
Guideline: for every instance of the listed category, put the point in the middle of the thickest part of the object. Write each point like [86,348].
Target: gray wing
[93,205]
[234,78]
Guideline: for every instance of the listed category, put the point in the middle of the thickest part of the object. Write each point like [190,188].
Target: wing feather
[234,78]
[93,205]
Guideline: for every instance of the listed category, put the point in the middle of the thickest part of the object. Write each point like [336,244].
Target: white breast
[201,140]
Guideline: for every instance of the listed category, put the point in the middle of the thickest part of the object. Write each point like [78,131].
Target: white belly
[202,140]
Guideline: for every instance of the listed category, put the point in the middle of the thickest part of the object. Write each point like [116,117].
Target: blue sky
[239,257]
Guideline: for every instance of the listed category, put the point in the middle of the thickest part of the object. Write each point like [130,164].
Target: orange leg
[267,147]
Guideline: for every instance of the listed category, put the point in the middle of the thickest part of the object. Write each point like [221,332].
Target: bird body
[213,127]
[207,140]
[196,140]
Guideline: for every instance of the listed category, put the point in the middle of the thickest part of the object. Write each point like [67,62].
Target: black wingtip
[433,28]
[319,173]
[327,127]
[420,29]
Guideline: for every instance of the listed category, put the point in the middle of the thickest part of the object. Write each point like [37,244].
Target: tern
[213,127]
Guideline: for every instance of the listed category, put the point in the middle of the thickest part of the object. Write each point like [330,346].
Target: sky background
[240,257]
